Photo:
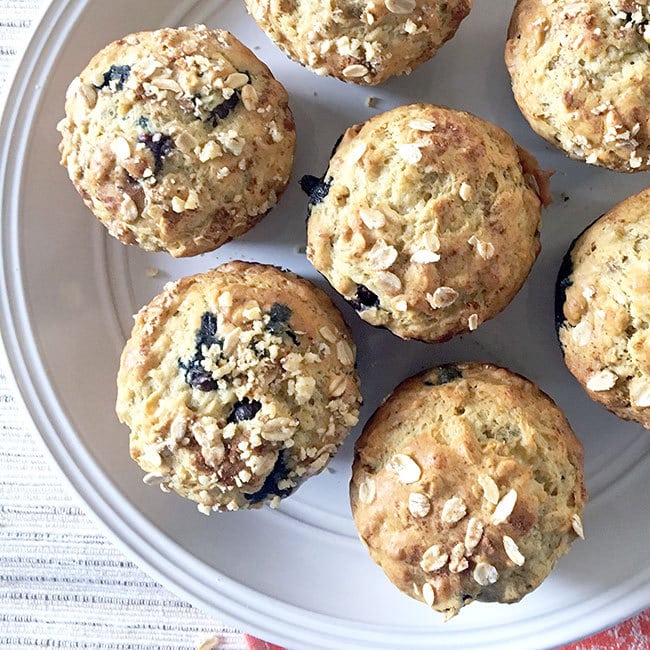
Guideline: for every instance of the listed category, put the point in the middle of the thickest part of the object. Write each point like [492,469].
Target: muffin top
[178,140]
[467,485]
[581,76]
[362,42]
[237,384]
[427,220]
[604,309]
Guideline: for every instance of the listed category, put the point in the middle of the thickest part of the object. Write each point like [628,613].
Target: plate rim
[99,506]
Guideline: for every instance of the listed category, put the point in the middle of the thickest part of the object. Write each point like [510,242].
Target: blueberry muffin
[603,309]
[426,221]
[581,76]
[237,385]
[177,140]
[467,485]
[362,42]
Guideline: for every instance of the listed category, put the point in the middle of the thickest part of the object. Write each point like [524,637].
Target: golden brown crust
[607,310]
[581,73]
[178,140]
[362,42]
[435,212]
[433,463]
[237,384]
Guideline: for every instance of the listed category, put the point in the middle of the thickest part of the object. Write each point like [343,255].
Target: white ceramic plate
[297,576]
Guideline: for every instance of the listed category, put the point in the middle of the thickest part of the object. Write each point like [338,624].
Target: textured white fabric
[62,584]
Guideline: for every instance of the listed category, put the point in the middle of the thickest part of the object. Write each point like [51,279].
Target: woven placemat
[62,583]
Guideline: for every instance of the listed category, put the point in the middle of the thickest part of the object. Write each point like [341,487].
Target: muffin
[581,76]
[178,139]
[603,309]
[237,385]
[467,485]
[362,42]
[426,221]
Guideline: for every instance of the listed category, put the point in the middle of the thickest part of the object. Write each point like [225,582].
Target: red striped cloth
[633,634]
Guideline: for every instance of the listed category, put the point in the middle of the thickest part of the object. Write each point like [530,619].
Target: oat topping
[490,488]
[382,256]
[344,353]
[473,535]
[367,490]
[121,148]
[582,333]
[355,71]
[453,510]
[400,6]
[400,305]
[422,125]
[152,478]
[457,561]
[602,380]
[425,257]
[504,508]
[407,470]
[152,457]
[484,249]
[428,594]
[472,322]
[432,241]
[410,153]
[128,209]
[442,297]
[465,192]
[372,218]
[512,550]
[640,394]
[419,504]
[357,152]
[485,574]
[433,559]
[576,524]
[389,282]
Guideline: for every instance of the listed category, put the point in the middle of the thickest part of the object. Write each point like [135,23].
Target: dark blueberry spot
[143,123]
[364,299]
[446,374]
[278,325]
[224,109]
[316,188]
[160,146]
[195,374]
[561,285]
[207,333]
[116,77]
[336,145]
[466,597]
[197,377]
[564,281]
[244,410]
[270,487]
[278,315]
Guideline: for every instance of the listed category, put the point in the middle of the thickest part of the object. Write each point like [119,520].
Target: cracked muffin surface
[467,484]
[178,139]
[237,385]
[361,42]
[426,220]
[604,309]
[581,76]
